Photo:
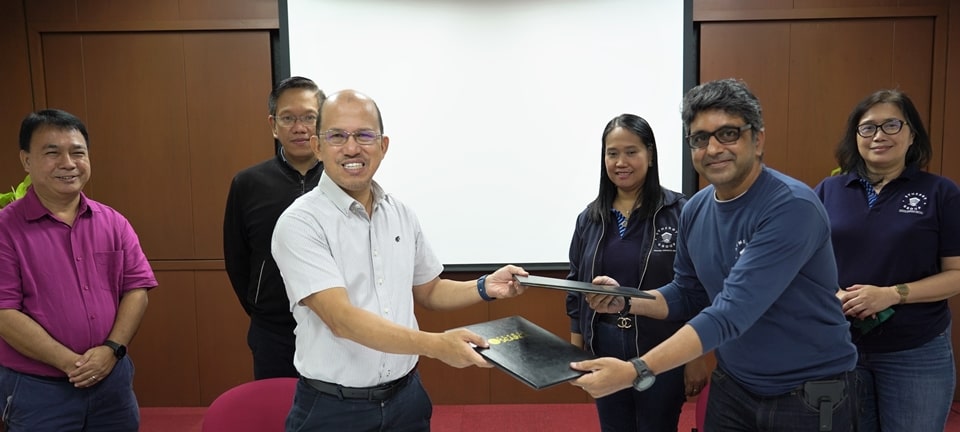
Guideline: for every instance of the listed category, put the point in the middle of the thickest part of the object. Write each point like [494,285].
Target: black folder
[585,287]
[528,352]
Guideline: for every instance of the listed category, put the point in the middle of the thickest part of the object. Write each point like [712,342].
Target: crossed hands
[92,367]
[864,301]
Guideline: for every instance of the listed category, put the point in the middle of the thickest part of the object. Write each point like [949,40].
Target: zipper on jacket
[256,298]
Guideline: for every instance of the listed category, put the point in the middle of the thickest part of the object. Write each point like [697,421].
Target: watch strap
[903,290]
[119,350]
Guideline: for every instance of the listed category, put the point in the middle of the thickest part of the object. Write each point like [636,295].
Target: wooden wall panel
[759,54]
[63,59]
[833,65]
[51,11]
[121,10]
[224,357]
[95,11]
[706,5]
[17,95]
[165,349]
[229,9]
[949,143]
[143,148]
[228,128]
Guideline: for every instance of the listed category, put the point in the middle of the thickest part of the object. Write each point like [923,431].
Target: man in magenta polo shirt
[73,289]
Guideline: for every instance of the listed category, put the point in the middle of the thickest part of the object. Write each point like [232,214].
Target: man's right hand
[456,348]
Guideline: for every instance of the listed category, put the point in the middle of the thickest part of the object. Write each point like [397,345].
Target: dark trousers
[656,409]
[409,410]
[731,407]
[272,352]
[34,404]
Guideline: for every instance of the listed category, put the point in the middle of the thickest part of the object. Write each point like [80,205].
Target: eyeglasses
[724,135]
[287,120]
[339,137]
[889,127]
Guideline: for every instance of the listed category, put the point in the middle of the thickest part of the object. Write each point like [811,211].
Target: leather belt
[622,322]
[380,392]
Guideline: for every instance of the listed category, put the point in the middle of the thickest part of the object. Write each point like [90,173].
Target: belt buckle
[624,322]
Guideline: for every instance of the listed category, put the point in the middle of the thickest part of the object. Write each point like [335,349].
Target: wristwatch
[626,306]
[645,376]
[119,350]
[904,291]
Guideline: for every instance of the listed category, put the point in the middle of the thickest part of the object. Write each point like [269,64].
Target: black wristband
[482,288]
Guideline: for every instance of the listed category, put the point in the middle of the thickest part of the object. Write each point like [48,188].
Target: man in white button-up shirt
[354,260]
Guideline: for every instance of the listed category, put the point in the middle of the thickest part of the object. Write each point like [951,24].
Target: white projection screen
[495,108]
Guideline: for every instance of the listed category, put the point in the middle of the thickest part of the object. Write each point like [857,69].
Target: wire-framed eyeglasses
[288,120]
[724,135]
[339,137]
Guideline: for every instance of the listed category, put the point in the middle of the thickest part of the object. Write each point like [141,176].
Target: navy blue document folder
[528,352]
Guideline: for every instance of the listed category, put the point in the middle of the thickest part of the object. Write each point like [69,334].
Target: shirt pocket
[109,270]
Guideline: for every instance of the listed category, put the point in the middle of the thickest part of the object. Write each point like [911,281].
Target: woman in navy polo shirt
[896,236]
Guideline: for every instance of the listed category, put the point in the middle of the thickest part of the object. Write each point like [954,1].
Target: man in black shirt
[258,195]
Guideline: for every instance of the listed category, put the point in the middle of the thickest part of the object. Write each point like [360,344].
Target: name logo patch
[914,203]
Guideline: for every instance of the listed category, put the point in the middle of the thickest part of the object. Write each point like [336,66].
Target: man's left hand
[604,376]
[93,367]
[501,284]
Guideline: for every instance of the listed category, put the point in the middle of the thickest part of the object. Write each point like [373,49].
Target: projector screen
[495,108]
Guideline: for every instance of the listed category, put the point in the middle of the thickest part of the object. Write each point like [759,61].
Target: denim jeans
[32,404]
[730,407]
[408,410]
[909,390]
[656,409]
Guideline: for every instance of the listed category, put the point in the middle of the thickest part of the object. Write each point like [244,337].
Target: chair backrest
[256,406]
[702,407]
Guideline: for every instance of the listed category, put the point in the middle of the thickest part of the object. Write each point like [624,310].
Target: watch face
[120,351]
[645,376]
[644,381]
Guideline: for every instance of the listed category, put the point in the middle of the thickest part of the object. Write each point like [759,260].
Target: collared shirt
[914,222]
[326,240]
[67,279]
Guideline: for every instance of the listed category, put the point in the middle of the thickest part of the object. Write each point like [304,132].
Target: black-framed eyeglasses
[339,137]
[724,135]
[288,120]
[889,127]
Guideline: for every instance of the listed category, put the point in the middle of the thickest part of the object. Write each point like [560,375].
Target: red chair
[256,406]
[702,407]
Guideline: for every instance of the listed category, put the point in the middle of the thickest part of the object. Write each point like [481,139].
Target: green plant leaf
[15,193]
[6,198]
[22,188]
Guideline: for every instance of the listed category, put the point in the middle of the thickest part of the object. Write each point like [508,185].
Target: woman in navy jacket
[629,233]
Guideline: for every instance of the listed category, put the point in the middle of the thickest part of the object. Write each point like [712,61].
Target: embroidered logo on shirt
[913,202]
[666,239]
[738,249]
